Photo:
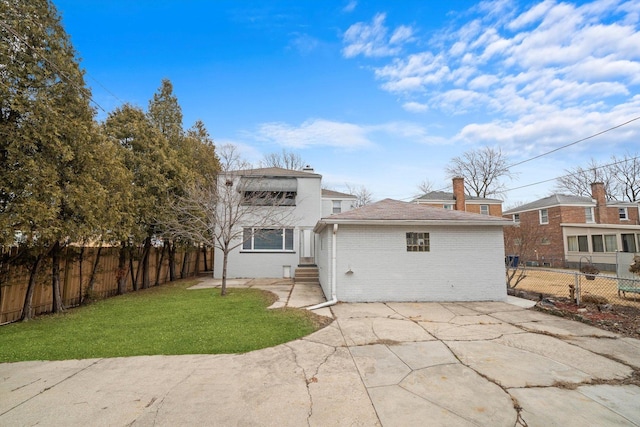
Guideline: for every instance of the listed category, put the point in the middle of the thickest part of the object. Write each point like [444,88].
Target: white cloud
[415,107]
[350,7]
[371,40]
[316,132]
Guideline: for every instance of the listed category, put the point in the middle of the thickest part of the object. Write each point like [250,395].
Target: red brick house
[459,201]
[565,231]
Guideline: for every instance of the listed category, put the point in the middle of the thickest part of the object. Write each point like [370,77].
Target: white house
[398,251]
[275,250]
[335,202]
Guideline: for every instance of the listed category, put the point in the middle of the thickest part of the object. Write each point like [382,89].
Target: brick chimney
[458,193]
[597,193]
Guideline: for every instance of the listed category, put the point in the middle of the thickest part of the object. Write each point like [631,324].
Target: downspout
[334,273]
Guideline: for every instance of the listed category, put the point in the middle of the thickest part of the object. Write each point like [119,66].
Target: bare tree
[625,174]
[363,195]
[577,181]
[285,159]
[425,187]
[483,171]
[213,213]
[520,242]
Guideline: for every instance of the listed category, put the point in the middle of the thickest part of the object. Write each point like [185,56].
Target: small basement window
[417,242]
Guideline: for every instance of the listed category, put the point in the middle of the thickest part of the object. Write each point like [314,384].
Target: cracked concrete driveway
[394,364]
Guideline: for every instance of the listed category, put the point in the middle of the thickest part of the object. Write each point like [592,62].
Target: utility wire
[45,59]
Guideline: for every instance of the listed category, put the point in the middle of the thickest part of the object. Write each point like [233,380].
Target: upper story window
[448,207]
[516,218]
[337,206]
[270,198]
[623,214]
[484,209]
[588,214]
[418,242]
[544,216]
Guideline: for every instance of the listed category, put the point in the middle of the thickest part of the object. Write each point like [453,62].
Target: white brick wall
[465,263]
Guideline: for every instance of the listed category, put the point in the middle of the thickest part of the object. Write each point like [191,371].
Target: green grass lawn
[164,320]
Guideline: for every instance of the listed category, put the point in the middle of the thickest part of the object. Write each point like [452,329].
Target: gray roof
[443,196]
[388,211]
[277,172]
[553,200]
[336,194]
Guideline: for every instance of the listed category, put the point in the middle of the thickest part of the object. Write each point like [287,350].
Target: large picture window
[417,242]
[268,239]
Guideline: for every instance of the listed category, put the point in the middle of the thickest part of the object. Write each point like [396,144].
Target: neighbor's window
[610,243]
[544,216]
[597,243]
[545,241]
[516,218]
[628,242]
[622,213]
[268,239]
[577,244]
[448,207]
[417,242]
[588,214]
[337,206]
[484,209]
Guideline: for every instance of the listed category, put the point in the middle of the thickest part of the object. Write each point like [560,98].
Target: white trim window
[336,206]
[588,215]
[516,218]
[544,216]
[484,209]
[268,239]
[418,242]
[448,207]
[623,214]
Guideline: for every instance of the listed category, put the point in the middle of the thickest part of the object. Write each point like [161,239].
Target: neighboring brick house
[571,230]
[460,201]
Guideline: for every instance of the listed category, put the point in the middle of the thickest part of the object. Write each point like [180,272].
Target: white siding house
[275,250]
[397,251]
[335,202]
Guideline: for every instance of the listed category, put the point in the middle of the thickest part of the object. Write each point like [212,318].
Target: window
[484,209]
[270,198]
[588,214]
[517,241]
[448,207]
[545,241]
[544,216]
[597,243]
[417,242]
[610,243]
[268,239]
[516,218]
[577,244]
[622,213]
[628,242]
[337,206]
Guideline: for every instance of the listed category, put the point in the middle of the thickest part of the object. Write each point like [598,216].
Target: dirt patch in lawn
[620,319]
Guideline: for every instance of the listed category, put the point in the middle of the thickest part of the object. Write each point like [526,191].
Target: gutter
[334,273]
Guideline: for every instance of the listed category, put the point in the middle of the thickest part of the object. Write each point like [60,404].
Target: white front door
[306,246]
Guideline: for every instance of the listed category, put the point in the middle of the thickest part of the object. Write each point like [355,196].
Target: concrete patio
[394,364]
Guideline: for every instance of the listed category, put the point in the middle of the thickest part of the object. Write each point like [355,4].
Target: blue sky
[379,93]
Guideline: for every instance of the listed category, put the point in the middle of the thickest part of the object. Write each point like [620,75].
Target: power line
[45,59]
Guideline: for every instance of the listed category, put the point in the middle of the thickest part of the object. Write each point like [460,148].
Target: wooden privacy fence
[76,273]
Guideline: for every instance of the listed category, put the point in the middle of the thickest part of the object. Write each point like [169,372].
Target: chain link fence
[579,287]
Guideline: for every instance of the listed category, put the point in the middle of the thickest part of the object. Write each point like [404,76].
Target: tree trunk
[184,271]
[197,267]
[55,280]
[172,262]
[134,279]
[204,253]
[94,270]
[159,266]
[27,307]
[121,274]
[223,287]
[145,262]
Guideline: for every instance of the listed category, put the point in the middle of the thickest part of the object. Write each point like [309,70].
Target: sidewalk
[394,364]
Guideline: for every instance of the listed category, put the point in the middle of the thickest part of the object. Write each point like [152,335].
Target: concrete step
[307,275]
